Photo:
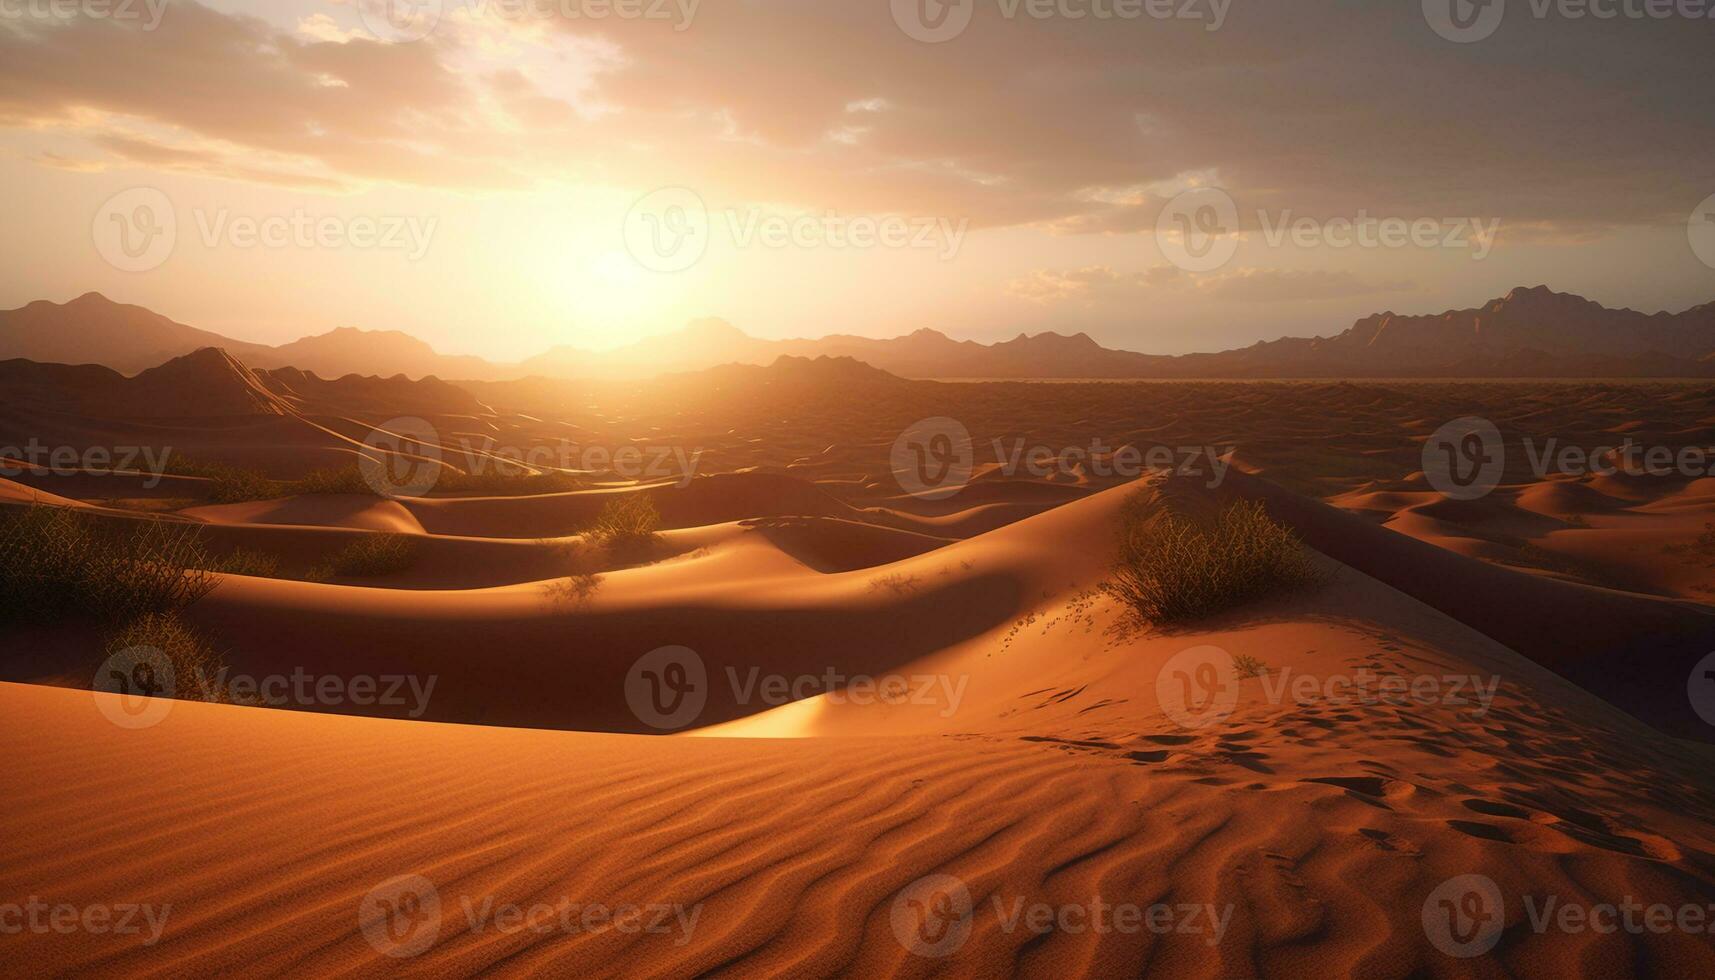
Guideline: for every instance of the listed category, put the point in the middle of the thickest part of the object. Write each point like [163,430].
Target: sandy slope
[1034,758]
[1322,823]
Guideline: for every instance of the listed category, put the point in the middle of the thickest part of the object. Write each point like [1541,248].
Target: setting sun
[858,488]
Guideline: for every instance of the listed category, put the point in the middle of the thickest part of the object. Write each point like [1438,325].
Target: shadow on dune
[570,670]
[1636,652]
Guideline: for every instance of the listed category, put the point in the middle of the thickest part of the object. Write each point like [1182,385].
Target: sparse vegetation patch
[627,522]
[58,561]
[369,556]
[1172,569]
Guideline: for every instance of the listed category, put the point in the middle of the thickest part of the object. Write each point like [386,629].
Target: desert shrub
[198,671]
[57,561]
[227,484]
[628,520]
[1246,665]
[343,479]
[507,481]
[1173,569]
[368,556]
[574,591]
[237,485]
[230,485]
[897,583]
[248,561]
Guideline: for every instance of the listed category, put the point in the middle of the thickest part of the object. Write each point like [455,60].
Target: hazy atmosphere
[845,176]
[1198,489]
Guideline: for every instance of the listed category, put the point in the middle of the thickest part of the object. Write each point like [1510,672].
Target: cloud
[1325,107]
[1292,285]
[1097,285]
[1090,282]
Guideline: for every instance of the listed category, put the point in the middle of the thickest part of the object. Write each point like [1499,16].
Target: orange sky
[495,186]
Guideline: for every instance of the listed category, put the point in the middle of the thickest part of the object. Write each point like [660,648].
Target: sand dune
[329,510]
[1317,826]
[1036,751]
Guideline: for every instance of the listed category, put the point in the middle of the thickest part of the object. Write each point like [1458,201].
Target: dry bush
[368,556]
[627,522]
[198,671]
[237,485]
[575,591]
[57,561]
[227,484]
[897,583]
[343,479]
[248,561]
[507,480]
[230,485]
[1247,666]
[1174,570]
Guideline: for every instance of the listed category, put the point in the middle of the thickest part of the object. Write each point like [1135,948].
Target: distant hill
[211,383]
[93,329]
[348,350]
[1530,332]
[208,382]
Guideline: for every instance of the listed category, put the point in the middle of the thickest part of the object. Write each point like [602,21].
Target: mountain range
[212,382]
[1530,332]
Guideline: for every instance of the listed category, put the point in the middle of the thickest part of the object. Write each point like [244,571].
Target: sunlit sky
[1028,160]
